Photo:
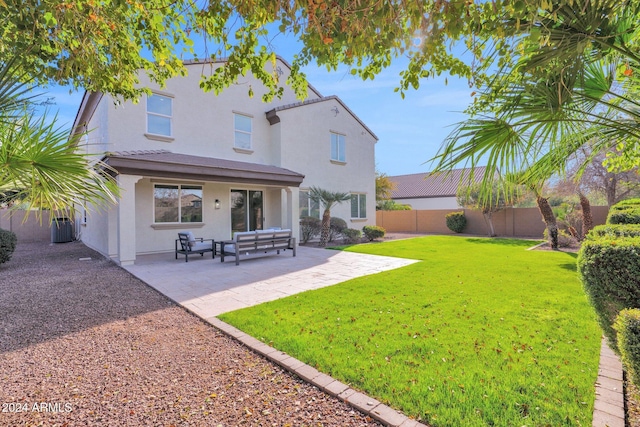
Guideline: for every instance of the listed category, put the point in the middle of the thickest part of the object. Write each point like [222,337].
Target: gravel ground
[84,343]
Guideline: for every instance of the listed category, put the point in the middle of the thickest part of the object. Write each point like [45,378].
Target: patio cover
[165,164]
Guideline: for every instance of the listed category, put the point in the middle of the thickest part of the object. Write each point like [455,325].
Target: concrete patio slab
[209,287]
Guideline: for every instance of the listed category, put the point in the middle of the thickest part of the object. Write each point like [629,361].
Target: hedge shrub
[614,231]
[8,242]
[309,228]
[336,226]
[625,212]
[609,269]
[351,235]
[630,215]
[456,221]
[628,327]
[627,202]
[373,232]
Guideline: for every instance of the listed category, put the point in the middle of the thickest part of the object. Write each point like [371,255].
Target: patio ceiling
[165,164]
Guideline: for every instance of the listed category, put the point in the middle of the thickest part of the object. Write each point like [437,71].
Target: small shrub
[628,327]
[609,269]
[8,242]
[309,228]
[456,221]
[336,226]
[351,235]
[373,232]
[565,240]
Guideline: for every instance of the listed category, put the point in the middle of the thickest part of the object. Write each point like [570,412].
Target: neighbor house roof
[165,164]
[423,185]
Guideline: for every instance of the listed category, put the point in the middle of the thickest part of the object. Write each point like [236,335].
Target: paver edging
[357,400]
[608,408]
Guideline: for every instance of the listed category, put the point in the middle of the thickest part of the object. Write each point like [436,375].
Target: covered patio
[209,288]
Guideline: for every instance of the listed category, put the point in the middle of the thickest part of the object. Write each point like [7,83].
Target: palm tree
[328,199]
[579,86]
[40,165]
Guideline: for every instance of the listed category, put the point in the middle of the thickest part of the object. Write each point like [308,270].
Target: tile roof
[164,163]
[420,185]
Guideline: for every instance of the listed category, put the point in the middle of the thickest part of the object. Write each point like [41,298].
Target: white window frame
[179,202]
[340,142]
[152,113]
[310,202]
[358,197]
[244,132]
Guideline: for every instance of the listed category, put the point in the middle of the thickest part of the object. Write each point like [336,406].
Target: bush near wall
[309,228]
[336,227]
[8,242]
[628,327]
[373,232]
[456,221]
[351,235]
[610,272]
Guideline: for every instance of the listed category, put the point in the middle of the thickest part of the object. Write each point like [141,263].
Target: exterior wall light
[217,203]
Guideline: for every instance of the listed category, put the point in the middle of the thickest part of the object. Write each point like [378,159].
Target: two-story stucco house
[190,160]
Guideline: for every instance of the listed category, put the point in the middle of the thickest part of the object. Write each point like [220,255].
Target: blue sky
[410,130]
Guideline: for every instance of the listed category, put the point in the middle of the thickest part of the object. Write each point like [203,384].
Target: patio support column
[127,219]
[292,215]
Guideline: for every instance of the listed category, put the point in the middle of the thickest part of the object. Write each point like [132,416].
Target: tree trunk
[326,225]
[587,217]
[489,221]
[549,219]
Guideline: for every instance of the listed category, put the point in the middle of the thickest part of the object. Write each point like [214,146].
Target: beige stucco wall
[202,122]
[306,147]
[516,222]
[26,229]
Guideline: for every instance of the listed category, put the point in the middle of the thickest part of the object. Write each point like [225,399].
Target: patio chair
[187,245]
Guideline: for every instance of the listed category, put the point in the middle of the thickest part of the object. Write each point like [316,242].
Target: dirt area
[84,343]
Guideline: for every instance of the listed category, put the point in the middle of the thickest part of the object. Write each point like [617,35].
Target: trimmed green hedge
[630,215]
[610,272]
[625,212]
[628,327]
[456,221]
[8,242]
[628,202]
[373,232]
[614,231]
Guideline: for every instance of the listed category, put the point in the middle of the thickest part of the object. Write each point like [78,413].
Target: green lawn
[480,333]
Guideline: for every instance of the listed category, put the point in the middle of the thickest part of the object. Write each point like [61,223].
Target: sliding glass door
[247,211]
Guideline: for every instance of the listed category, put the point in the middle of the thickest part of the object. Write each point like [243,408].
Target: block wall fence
[29,230]
[509,222]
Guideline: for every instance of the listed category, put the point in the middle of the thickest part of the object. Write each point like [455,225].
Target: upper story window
[177,203]
[358,206]
[242,127]
[159,115]
[337,147]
